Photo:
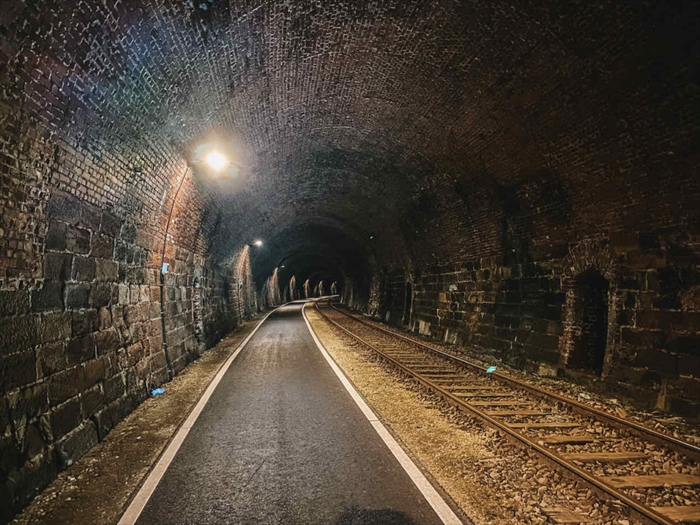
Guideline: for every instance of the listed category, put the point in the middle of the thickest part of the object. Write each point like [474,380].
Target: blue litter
[491,370]
[157,391]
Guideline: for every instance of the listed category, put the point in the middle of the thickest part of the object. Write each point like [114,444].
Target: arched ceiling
[339,114]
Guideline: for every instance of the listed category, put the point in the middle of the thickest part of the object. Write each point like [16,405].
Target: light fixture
[257,243]
[216,160]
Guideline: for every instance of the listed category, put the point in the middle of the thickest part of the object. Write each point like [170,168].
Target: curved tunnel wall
[485,153]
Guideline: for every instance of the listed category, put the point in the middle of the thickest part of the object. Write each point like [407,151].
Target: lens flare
[216,160]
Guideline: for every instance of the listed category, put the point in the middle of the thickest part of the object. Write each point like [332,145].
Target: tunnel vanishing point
[519,178]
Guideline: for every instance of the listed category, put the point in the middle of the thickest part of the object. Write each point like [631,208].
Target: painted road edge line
[133,511]
[436,501]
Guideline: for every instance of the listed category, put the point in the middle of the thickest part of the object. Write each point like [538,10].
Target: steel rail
[659,438]
[642,511]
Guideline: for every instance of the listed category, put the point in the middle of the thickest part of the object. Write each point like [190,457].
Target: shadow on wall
[354,516]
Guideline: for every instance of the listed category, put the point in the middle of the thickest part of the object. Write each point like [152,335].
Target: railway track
[585,443]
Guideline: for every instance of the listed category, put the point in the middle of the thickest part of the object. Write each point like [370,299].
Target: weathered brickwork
[516,177]
[85,204]
[529,314]
[83,345]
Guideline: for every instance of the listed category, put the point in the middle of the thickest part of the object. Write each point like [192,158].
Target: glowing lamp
[216,160]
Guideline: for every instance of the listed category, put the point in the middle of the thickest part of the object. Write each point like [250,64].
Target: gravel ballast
[492,480]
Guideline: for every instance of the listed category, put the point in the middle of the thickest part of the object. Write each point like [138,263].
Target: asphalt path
[282,442]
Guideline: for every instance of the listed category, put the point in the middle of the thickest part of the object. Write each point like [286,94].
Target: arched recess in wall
[589,341]
[590,322]
[293,294]
[244,287]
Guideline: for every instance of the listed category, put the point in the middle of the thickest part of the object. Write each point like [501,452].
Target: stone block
[155,344]
[102,246]
[100,295]
[64,207]
[64,385]
[134,293]
[77,295]
[640,337]
[135,353]
[108,417]
[114,388]
[80,349]
[107,341]
[104,318]
[111,224]
[123,294]
[656,360]
[48,297]
[17,370]
[84,322]
[57,266]
[35,440]
[50,359]
[134,314]
[128,233]
[54,326]
[14,303]
[65,418]
[56,236]
[18,333]
[92,402]
[689,365]
[78,241]
[685,344]
[77,443]
[106,271]
[27,403]
[84,269]
[94,371]
[90,217]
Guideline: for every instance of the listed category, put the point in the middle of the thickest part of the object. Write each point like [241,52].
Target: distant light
[371,237]
[258,243]
[216,160]
[282,266]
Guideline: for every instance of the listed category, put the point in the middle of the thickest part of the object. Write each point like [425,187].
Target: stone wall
[82,345]
[528,314]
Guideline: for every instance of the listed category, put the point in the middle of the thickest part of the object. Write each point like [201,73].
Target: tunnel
[514,179]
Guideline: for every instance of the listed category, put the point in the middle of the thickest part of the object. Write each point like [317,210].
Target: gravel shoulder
[97,488]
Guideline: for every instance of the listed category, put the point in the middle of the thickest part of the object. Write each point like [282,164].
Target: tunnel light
[216,160]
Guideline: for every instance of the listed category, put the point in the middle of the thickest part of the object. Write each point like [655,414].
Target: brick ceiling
[341,115]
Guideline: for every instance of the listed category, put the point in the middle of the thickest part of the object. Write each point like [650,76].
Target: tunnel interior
[450,167]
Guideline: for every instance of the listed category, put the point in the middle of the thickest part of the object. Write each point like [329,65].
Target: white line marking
[441,508]
[137,505]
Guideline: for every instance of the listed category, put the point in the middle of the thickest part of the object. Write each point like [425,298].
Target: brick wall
[488,153]
[529,312]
